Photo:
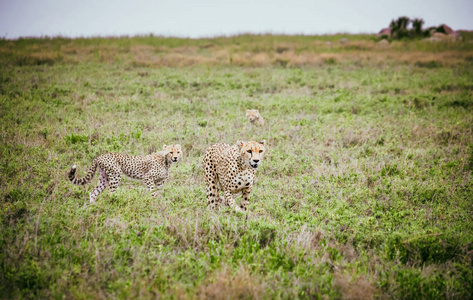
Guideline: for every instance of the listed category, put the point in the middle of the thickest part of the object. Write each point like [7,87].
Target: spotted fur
[254,117]
[231,169]
[153,169]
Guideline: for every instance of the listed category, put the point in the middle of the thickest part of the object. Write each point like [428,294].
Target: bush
[400,29]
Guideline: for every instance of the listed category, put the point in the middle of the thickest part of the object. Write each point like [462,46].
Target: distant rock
[384,31]
[447,29]
[439,35]
[442,37]
[442,33]
[457,35]
[344,41]
[384,43]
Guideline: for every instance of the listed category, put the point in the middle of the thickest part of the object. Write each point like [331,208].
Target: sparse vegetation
[404,28]
[365,192]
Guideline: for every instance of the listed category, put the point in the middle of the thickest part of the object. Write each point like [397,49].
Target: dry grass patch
[226,284]
[356,288]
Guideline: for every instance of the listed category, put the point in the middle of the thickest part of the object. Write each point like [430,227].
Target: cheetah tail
[86,179]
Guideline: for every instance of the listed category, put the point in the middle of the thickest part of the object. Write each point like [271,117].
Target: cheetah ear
[164,147]
[240,144]
[263,142]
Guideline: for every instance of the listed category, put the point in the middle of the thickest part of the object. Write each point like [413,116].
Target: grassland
[366,191]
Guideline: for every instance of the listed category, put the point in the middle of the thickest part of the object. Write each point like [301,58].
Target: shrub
[400,29]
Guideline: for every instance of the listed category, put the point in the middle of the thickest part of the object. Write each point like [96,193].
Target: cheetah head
[252,152]
[172,153]
[252,114]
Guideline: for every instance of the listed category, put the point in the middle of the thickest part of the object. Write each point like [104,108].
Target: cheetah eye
[261,151]
[249,151]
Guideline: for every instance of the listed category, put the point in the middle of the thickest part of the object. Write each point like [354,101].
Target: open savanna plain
[365,192]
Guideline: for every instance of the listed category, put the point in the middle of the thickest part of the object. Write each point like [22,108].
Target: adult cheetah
[153,169]
[232,169]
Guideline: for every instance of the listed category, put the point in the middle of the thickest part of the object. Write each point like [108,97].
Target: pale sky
[207,18]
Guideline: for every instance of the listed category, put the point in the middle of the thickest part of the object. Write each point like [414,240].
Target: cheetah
[254,117]
[153,169]
[232,169]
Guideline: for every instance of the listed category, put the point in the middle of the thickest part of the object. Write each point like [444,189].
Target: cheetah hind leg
[114,179]
[211,181]
[213,199]
[103,183]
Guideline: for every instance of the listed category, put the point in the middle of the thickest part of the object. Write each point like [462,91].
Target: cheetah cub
[153,169]
[254,117]
[232,169]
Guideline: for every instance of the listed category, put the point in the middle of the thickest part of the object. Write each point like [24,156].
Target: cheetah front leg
[230,201]
[245,198]
[149,181]
[158,187]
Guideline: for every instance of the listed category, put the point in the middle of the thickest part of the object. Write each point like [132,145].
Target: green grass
[366,191]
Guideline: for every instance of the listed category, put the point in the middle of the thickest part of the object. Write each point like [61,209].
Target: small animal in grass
[232,169]
[254,117]
[153,169]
